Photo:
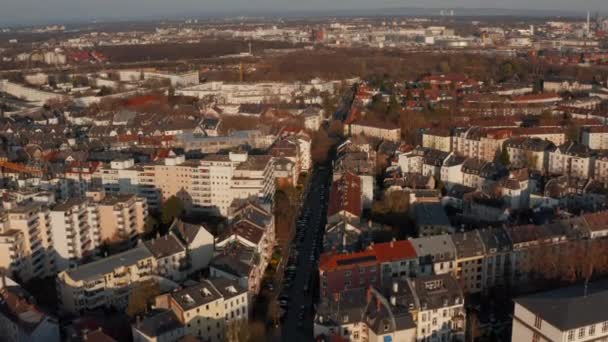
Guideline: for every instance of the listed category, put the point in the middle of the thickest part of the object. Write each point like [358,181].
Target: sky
[27,12]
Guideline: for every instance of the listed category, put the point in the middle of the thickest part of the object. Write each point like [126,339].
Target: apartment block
[576,313]
[104,283]
[202,311]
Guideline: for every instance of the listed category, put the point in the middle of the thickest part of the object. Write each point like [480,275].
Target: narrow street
[300,298]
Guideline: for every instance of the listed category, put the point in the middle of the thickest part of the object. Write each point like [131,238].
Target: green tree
[151,225]
[503,157]
[141,294]
[104,91]
[394,108]
[173,208]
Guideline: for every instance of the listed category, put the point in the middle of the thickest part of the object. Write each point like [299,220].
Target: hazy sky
[29,11]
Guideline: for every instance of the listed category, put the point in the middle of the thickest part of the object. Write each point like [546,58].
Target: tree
[141,294]
[172,208]
[444,67]
[321,146]
[503,156]
[237,331]
[104,91]
[151,225]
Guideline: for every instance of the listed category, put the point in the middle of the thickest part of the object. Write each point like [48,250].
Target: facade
[470,254]
[532,153]
[436,254]
[595,137]
[431,219]
[569,314]
[104,283]
[73,236]
[438,140]
[21,320]
[208,185]
[377,265]
[574,160]
[119,217]
[441,313]
[27,230]
[384,130]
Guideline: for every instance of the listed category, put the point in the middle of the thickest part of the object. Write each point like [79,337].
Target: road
[297,326]
[302,296]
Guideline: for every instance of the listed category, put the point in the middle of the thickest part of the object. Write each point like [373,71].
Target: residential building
[441,314]
[436,254]
[595,137]
[573,159]
[21,320]
[382,130]
[431,219]
[345,198]
[532,153]
[575,313]
[28,230]
[104,283]
[497,246]
[437,139]
[470,254]
[119,217]
[205,309]
[72,236]
[373,314]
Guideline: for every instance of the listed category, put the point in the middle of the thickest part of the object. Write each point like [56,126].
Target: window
[592,330]
[581,332]
[571,335]
[605,327]
[538,322]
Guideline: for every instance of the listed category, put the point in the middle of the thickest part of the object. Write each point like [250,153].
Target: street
[299,299]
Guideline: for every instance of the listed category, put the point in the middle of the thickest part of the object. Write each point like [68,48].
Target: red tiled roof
[396,250]
[346,195]
[331,262]
[597,221]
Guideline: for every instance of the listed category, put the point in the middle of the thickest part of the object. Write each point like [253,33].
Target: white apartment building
[595,137]
[203,310]
[569,314]
[438,140]
[28,238]
[73,237]
[104,283]
[574,160]
[20,319]
[441,314]
[206,185]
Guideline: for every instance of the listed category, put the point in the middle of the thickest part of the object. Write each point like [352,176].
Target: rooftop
[569,308]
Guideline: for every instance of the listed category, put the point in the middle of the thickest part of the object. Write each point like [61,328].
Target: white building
[568,314]
[20,319]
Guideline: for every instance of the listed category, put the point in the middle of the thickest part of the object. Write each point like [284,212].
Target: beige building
[596,137]
[207,185]
[437,140]
[104,283]
[120,217]
[380,130]
[203,311]
[27,236]
[469,261]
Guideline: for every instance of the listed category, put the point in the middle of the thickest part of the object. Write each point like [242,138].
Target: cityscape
[328,174]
